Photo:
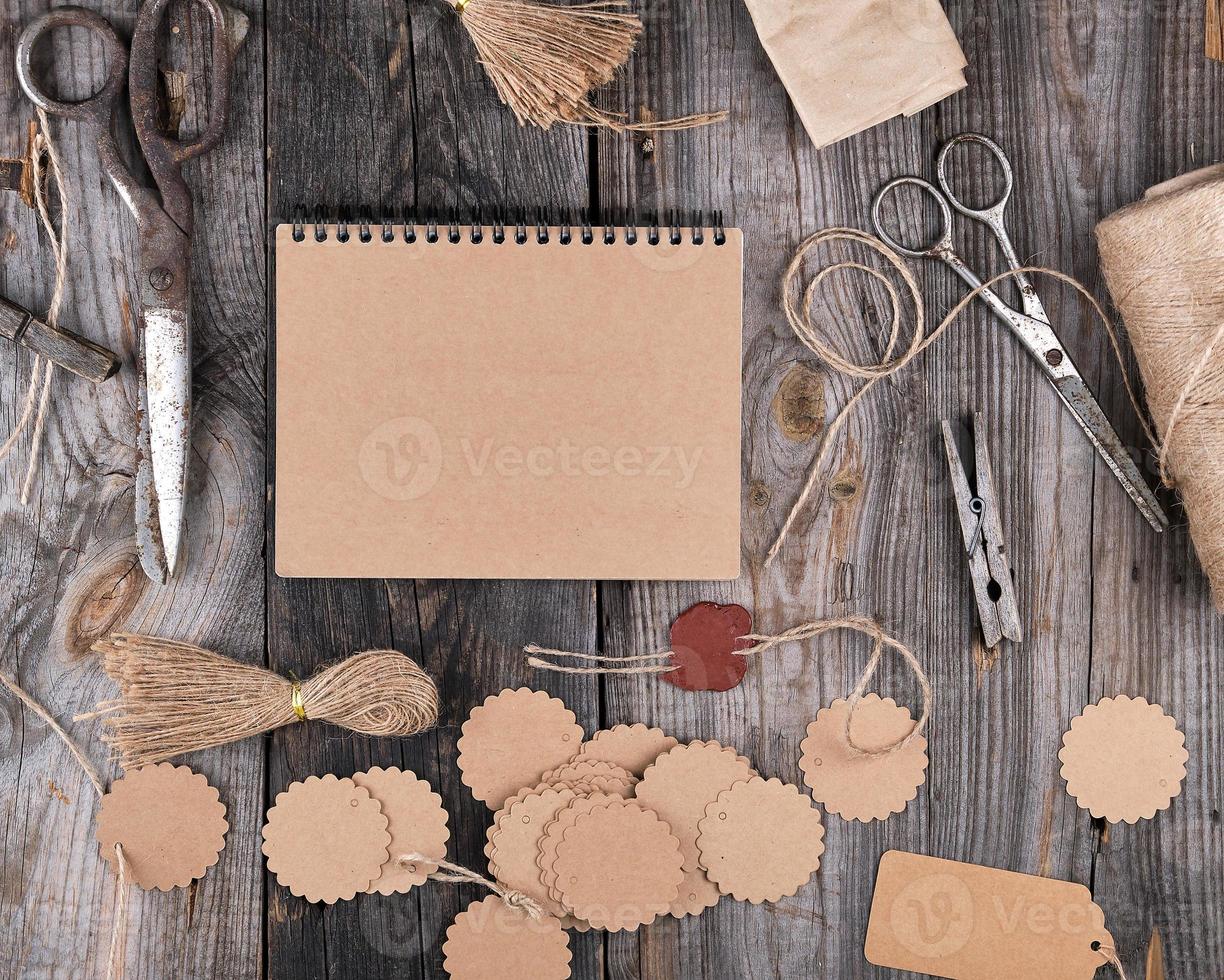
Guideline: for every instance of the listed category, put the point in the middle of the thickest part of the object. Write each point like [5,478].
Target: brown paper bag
[852,64]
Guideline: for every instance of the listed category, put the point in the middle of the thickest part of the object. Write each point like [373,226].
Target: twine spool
[177,698]
[1163,260]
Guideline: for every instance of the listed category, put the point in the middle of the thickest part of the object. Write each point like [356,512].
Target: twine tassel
[544,60]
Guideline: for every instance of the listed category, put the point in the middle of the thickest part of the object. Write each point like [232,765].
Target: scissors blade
[1092,419]
[148,528]
[167,367]
[1040,340]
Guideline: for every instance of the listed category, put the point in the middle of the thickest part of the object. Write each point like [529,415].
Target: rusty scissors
[1031,324]
[164,221]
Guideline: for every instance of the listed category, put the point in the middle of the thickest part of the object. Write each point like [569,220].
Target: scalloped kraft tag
[490,939]
[514,843]
[967,922]
[618,867]
[1124,759]
[579,769]
[857,786]
[511,740]
[761,840]
[683,781]
[326,839]
[554,832]
[704,639]
[696,894]
[632,747]
[170,822]
[416,822]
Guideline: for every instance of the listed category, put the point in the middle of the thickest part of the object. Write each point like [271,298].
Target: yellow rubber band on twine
[459,5]
[299,706]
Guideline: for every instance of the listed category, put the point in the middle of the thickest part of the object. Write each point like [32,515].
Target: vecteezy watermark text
[566,459]
[404,459]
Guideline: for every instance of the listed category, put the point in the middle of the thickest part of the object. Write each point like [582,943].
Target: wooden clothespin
[17,173]
[63,347]
[982,528]
[1155,957]
[1215,29]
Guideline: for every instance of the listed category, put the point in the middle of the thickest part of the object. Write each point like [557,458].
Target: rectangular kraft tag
[966,922]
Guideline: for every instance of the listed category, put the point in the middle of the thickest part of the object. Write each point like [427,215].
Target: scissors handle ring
[161,150]
[940,245]
[995,210]
[97,108]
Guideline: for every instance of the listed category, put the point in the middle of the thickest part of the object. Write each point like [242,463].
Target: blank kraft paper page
[503,410]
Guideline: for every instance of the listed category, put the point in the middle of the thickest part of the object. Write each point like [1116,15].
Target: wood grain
[379,109]
[68,568]
[401,121]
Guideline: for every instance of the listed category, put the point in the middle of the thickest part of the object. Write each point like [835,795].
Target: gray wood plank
[762,170]
[70,572]
[339,136]
[384,108]
[993,795]
[1155,633]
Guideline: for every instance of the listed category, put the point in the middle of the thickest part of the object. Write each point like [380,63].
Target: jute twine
[465,876]
[1111,957]
[1163,260]
[544,658]
[38,395]
[177,698]
[544,59]
[798,305]
[118,940]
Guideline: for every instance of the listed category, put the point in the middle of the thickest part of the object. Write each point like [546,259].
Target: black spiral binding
[518,229]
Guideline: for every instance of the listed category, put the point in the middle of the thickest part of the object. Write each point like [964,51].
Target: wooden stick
[1215,29]
[62,347]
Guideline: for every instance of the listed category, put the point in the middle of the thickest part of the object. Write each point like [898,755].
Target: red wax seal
[704,639]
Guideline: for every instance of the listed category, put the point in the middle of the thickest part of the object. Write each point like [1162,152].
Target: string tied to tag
[461,875]
[544,658]
[118,940]
[1111,957]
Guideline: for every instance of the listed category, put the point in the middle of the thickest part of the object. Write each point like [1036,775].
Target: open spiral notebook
[549,403]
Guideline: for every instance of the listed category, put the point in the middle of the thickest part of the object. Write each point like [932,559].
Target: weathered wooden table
[379,105]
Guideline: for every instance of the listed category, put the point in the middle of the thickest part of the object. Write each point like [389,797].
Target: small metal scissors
[165,227]
[1032,326]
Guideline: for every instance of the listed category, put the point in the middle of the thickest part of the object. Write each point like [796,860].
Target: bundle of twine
[545,60]
[1163,260]
[177,698]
